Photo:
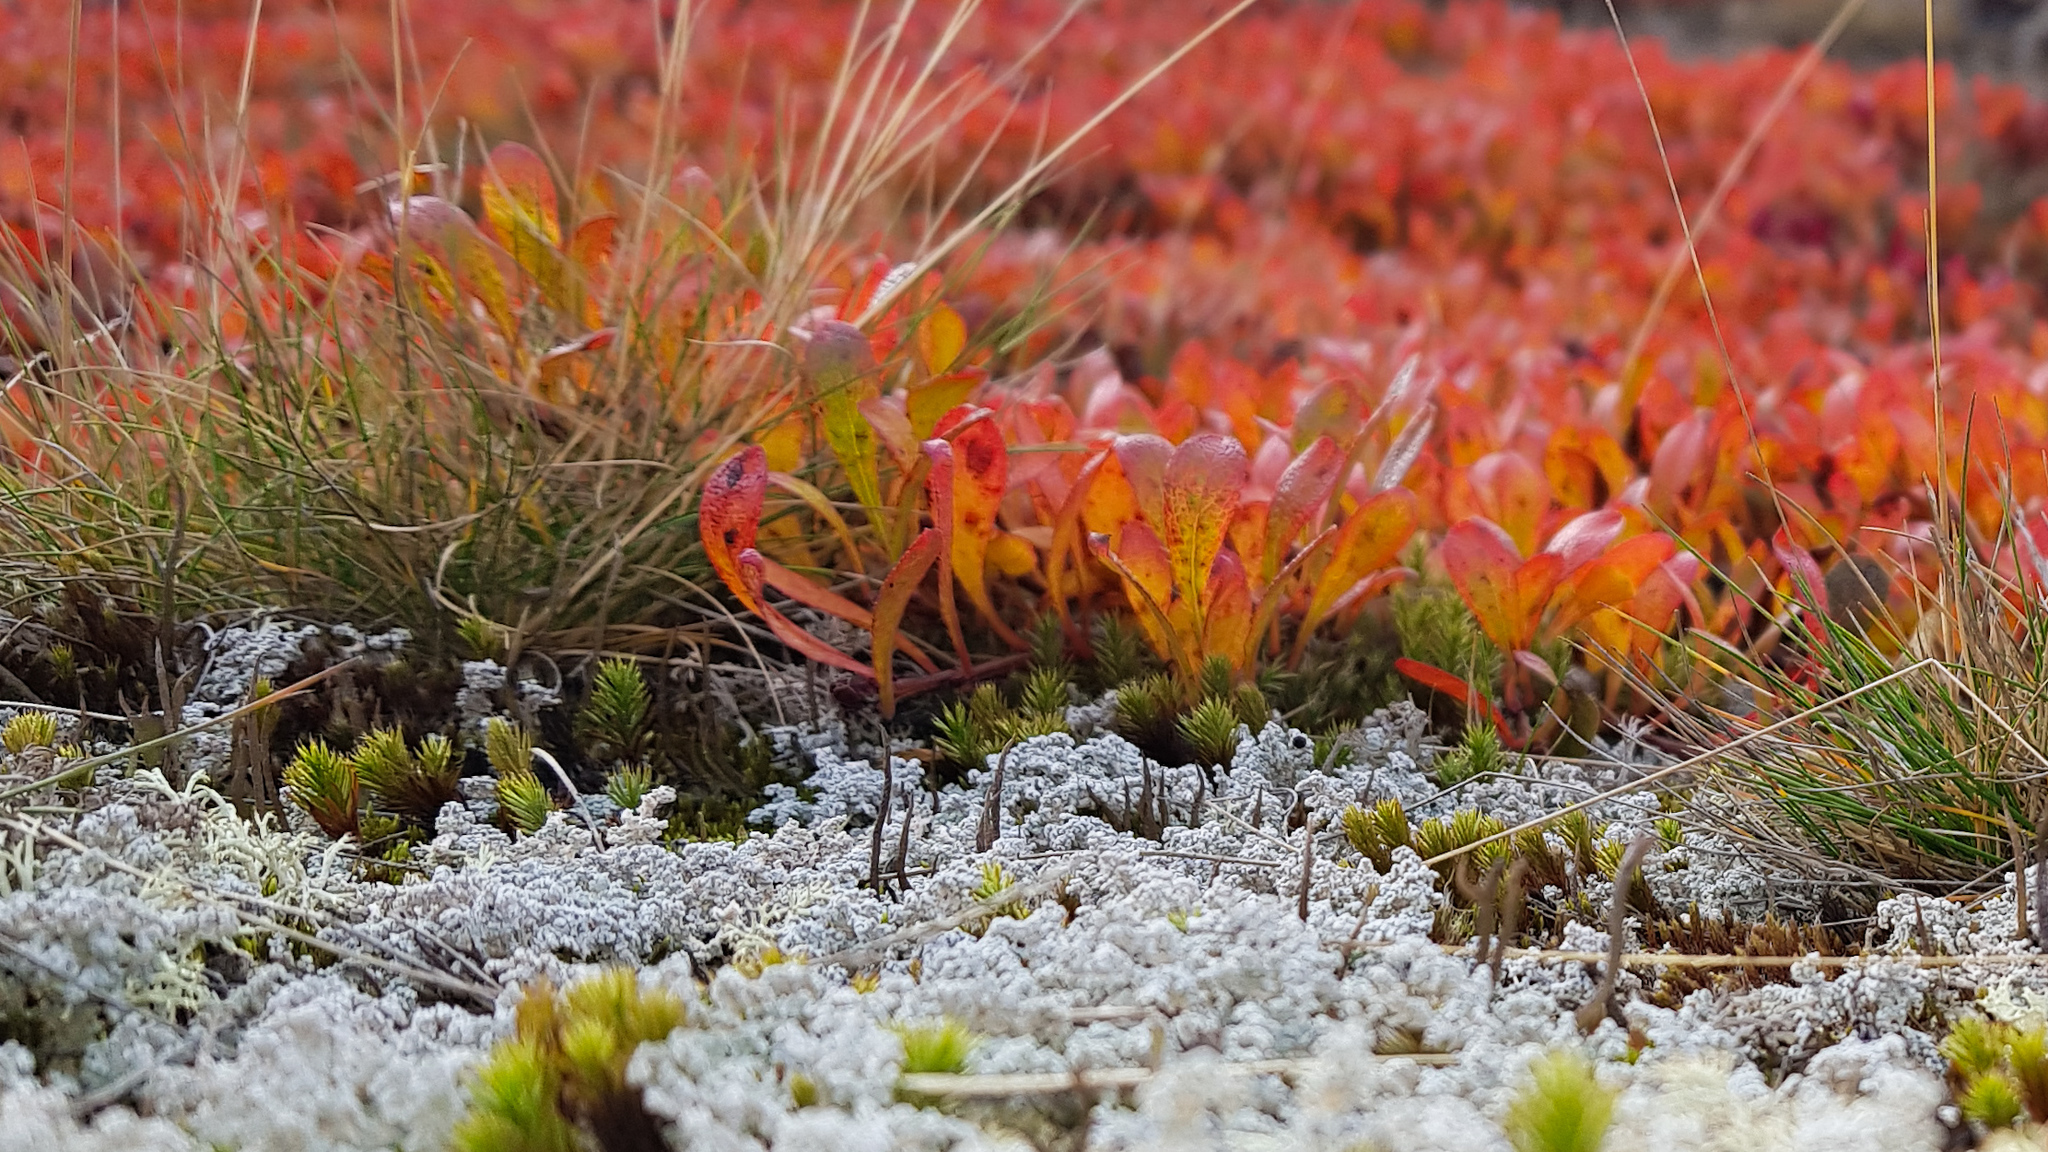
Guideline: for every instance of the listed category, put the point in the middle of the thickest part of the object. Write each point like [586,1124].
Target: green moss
[615,716]
[1211,731]
[936,1046]
[559,1085]
[628,785]
[1563,1108]
[323,783]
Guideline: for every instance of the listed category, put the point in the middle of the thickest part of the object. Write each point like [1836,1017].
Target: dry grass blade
[1731,175]
[240,903]
[987,1086]
[82,769]
[1687,764]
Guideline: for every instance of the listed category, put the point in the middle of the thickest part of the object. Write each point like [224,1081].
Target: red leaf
[1482,564]
[729,515]
[1436,679]
[753,574]
[1298,497]
[938,487]
[890,603]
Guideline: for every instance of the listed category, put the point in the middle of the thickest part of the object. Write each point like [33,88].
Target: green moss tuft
[1562,1109]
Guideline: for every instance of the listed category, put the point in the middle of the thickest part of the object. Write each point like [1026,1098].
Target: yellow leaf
[940,339]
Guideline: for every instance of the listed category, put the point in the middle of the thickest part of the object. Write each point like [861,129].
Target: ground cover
[585,575]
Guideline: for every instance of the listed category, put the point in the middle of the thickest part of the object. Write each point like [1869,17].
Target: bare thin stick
[997,1086]
[1308,865]
[86,766]
[1599,1005]
[992,809]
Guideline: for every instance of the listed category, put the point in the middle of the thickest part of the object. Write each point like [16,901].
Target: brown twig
[1004,1085]
[903,840]
[1601,1004]
[881,820]
[1308,864]
[992,808]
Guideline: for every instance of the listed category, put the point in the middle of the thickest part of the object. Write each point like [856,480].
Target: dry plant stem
[87,765]
[1685,225]
[575,797]
[2040,875]
[1688,763]
[167,625]
[1732,174]
[1009,196]
[1308,864]
[1486,911]
[992,808]
[903,839]
[1511,916]
[881,820]
[234,903]
[958,1086]
[875,951]
[2023,924]
[1601,1004]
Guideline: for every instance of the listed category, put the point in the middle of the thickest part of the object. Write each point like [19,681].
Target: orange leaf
[1066,535]
[941,337]
[1152,617]
[1204,480]
[1482,563]
[590,246]
[752,570]
[1611,580]
[1509,491]
[1369,540]
[1584,538]
[1012,555]
[982,470]
[519,193]
[930,401]
[1144,458]
[1298,497]
[444,231]
[891,601]
[1227,629]
[519,205]
[1586,467]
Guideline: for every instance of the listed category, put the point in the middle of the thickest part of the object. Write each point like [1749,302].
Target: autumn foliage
[1358,295]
